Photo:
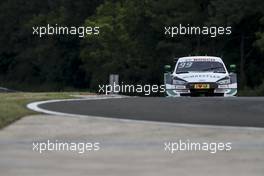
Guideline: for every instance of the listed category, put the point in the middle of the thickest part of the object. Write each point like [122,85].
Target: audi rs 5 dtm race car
[200,76]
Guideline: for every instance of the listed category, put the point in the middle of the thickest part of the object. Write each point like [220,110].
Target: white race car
[200,76]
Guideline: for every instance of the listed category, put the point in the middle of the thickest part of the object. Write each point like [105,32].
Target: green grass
[13,105]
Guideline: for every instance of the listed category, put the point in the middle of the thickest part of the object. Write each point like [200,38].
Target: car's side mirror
[167,68]
[232,68]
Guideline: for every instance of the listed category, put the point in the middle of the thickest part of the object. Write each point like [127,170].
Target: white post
[114,82]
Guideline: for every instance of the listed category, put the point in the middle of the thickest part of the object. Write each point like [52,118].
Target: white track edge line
[35,107]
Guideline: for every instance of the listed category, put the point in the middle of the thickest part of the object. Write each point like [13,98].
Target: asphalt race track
[237,111]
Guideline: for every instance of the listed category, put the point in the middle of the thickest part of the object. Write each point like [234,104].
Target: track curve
[238,111]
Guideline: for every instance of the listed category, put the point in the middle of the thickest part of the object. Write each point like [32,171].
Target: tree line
[131,41]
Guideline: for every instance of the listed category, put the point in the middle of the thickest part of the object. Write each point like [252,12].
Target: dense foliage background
[131,41]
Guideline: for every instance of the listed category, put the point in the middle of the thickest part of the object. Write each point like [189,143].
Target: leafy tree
[244,18]
[52,62]
[131,40]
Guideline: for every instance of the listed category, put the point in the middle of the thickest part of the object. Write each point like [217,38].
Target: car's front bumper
[189,90]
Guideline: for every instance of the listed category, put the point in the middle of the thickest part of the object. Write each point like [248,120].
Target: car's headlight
[178,81]
[224,81]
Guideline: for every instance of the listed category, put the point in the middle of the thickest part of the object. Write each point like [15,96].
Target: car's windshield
[200,66]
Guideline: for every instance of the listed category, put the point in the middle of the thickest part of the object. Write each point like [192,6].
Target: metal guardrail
[3,89]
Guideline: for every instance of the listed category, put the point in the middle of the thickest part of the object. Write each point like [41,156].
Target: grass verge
[13,105]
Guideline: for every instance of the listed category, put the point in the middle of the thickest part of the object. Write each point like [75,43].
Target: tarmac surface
[236,111]
[136,147]
[126,149]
